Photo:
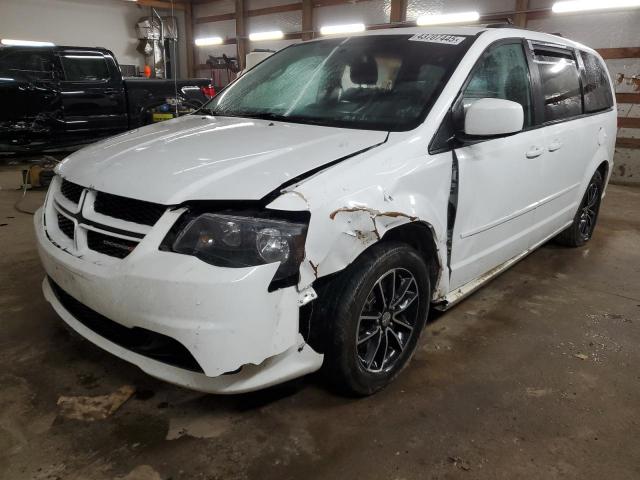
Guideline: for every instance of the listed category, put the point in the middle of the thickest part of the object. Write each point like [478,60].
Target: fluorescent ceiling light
[205,41]
[349,28]
[446,18]
[273,35]
[582,5]
[25,43]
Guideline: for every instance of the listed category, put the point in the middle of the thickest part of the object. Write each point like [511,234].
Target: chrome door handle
[555,145]
[534,152]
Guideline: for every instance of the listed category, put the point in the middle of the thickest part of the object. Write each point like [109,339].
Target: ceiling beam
[289,7]
[628,97]
[624,52]
[628,143]
[161,4]
[628,122]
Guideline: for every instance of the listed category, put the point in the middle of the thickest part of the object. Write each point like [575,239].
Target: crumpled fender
[355,203]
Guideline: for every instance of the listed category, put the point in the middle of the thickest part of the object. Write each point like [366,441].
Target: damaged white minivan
[314,210]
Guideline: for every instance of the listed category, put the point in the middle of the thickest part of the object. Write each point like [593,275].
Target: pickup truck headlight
[235,241]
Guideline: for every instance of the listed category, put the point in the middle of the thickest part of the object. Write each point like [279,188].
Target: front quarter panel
[354,204]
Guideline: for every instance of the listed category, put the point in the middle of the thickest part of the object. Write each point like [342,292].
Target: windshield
[383,82]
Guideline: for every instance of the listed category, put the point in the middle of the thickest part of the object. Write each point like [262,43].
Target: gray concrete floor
[535,376]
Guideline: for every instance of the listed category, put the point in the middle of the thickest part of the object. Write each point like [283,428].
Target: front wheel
[584,222]
[379,312]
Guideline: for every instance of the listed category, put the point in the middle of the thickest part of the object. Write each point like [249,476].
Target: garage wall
[101,23]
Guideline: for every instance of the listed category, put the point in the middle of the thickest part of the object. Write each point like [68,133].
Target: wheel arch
[421,236]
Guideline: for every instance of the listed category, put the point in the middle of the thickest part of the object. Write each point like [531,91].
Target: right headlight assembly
[237,241]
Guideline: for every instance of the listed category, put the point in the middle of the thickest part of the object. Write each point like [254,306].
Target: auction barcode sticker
[437,38]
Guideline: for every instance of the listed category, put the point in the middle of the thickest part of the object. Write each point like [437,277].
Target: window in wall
[597,88]
[502,73]
[82,67]
[560,84]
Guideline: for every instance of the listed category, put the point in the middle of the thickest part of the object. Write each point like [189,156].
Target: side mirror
[489,117]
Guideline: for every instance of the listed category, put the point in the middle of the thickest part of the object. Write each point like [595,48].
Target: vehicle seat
[364,73]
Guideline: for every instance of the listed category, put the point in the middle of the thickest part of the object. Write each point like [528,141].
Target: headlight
[235,241]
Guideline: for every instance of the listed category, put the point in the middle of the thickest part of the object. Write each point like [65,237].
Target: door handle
[555,145]
[534,152]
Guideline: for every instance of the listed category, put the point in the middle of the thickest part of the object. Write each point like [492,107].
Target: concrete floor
[535,376]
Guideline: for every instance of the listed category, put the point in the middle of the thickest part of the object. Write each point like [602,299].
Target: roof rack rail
[506,24]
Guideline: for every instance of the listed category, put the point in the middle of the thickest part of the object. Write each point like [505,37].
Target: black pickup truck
[57,97]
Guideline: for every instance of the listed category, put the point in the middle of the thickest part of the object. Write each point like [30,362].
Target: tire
[585,219]
[360,325]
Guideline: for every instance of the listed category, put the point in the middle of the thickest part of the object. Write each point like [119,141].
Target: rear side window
[26,65]
[597,89]
[83,67]
[560,84]
[502,73]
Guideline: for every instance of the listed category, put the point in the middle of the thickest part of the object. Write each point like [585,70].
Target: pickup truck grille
[71,191]
[101,222]
[128,209]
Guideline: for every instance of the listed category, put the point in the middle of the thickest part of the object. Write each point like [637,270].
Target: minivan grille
[137,211]
[139,340]
[71,191]
[66,226]
[108,245]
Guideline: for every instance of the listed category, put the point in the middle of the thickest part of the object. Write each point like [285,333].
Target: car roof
[494,32]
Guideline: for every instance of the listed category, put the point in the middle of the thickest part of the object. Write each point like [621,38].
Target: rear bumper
[225,318]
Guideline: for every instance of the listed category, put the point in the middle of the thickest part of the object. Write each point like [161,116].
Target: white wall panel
[92,23]
[415,8]
[285,21]
[213,8]
[372,12]
[88,23]
[596,30]
[253,4]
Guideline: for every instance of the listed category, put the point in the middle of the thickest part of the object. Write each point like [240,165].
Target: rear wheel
[584,222]
[378,314]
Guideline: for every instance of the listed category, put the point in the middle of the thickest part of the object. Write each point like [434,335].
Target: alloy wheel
[387,320]
[589,211]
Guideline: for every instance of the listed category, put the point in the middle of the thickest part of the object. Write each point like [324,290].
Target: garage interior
[533,376]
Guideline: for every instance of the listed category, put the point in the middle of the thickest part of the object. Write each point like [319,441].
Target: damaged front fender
[351,211]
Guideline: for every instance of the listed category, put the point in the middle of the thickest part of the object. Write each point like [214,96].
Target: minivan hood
[210,158]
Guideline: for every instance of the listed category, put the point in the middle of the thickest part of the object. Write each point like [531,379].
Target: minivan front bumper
[242,337]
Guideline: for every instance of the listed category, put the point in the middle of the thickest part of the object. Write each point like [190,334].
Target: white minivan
[312,212]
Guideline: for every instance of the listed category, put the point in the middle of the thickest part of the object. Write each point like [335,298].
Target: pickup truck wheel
[584,222]
[379,312]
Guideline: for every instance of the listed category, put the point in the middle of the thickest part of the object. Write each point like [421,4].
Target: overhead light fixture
[273,35]
[584,5]
[25,43]
[447,18]
[348,28]
[206,41]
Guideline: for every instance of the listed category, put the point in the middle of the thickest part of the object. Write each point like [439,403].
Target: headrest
[364,71]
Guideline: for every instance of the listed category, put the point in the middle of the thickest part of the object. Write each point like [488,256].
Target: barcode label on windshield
[437,38]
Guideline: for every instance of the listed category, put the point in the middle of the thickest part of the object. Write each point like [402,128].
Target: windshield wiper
[264,116]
